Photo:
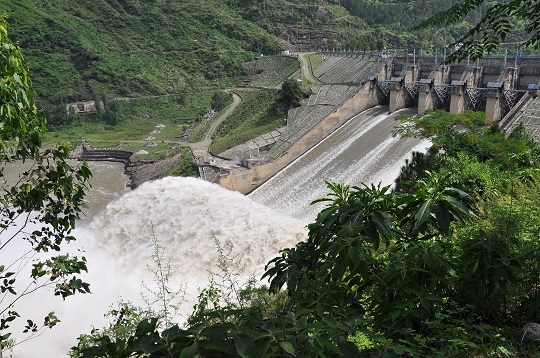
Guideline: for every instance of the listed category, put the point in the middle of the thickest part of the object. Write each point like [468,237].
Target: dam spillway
[362,150]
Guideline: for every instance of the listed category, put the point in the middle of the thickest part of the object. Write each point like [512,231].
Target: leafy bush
[185,168]
[427,271]
[220,100]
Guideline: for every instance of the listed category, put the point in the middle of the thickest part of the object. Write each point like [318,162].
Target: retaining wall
[245,180]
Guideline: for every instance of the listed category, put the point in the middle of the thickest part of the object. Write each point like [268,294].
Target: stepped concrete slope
[341,78]
[301,120]
[344,70]
[530,117]
[138,171]
[111,155]
[348,89]
[351,82]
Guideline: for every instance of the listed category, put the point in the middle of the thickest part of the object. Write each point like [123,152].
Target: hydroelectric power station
[505,88]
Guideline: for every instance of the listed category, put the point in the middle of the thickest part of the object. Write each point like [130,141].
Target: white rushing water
[191,218]
[362,150]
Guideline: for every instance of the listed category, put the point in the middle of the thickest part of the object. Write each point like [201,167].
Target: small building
[81,107]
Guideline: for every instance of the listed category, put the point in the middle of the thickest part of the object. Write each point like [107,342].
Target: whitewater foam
[191,218]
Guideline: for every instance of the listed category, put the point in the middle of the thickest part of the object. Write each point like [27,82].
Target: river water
[194,221]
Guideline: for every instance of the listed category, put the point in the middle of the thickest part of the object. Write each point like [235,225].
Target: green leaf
[288,347]
[383,221]
[247,347]
[349,349]
[146,326]
[217,346]
[354,256]
[219,329]
[146,344]
[458,204]
[423,214]
[189,352]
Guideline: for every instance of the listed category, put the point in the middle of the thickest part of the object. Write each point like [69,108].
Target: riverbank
[138,171]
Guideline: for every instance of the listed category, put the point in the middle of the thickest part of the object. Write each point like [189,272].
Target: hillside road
[200,149]
[306,69]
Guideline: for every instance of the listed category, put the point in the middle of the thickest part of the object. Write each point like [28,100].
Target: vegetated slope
[392,22]
[306,24]
[270,71]
[132,47]
[256,115]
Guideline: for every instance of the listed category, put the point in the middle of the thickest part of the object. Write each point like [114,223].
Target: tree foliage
[40,207]
[290,95]
[498,21]
[220,100]
[427,271]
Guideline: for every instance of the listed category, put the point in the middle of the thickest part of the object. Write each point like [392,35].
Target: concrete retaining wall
[246,180]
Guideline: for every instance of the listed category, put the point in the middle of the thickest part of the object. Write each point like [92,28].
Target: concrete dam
[350,83]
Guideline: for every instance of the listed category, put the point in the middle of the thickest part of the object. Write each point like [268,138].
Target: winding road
[306,70]
[200,149]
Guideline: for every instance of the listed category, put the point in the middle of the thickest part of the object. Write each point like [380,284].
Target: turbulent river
[193,220]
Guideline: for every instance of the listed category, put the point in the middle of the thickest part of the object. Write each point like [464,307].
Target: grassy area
[255,116]
[132,48]
[315,60]
[137,121]
[270,71]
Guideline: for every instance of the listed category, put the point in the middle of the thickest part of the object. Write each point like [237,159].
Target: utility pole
[444,61]
[385,70]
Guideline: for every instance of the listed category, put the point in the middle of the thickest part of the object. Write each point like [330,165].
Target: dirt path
[306,70]
[200,149]
[227,113]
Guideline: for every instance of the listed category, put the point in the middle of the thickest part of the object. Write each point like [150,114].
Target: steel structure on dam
[493,84]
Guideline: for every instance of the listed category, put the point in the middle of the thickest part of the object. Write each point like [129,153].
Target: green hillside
[80,51]
[132,47]
[392,22]
[106,50]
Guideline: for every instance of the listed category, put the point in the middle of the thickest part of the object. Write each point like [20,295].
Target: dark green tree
[220,100]
[111,110]
[47,197]
[290,95]
[498,21]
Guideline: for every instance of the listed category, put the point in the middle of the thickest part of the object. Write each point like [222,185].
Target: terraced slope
[530,119]
[344,70]
[346,78]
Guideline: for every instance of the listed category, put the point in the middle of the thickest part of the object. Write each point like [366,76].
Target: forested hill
[393,21]
[134,47]
[79,49]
